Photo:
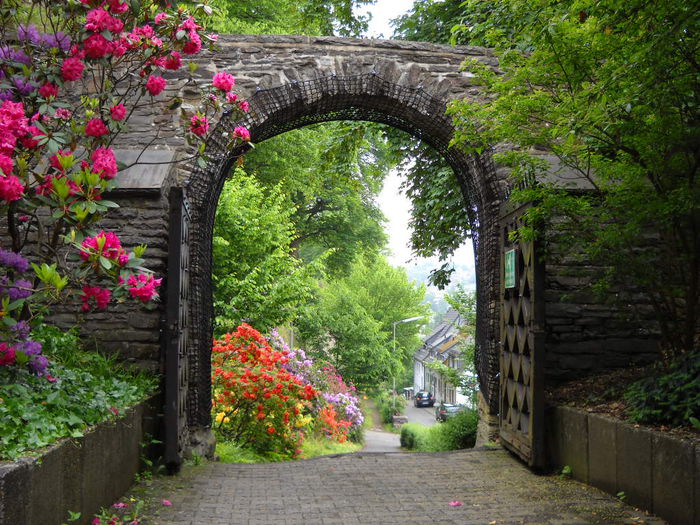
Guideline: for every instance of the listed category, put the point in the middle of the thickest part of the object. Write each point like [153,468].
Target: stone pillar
[487,429]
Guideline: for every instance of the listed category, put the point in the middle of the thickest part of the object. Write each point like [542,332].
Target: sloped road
[383,488]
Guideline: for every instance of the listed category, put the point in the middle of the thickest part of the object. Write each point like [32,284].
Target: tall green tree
[296,17]
[613,90]
[330,175]
[351,323]
[256,278]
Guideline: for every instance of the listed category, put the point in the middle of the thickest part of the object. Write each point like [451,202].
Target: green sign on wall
[509,277]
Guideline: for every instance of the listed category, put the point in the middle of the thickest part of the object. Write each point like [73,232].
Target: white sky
[393,203]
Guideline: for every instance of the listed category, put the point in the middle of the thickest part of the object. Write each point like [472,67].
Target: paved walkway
[382,488]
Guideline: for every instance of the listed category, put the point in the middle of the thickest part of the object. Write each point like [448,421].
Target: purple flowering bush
[336,396]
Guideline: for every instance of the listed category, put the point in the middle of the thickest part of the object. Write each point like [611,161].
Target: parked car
[423,399]
[445,411]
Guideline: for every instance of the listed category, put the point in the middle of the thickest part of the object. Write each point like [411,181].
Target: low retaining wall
[80,475]
[656,471]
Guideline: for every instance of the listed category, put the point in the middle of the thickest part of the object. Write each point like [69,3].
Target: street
[423,415]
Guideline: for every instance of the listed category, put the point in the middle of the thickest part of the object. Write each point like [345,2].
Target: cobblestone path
[384,488]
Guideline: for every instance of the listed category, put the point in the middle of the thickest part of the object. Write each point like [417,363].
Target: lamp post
[407,320]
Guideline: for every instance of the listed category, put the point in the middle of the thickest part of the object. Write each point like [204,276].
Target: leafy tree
[305,17]
[351,322]
[429,21]
[256,278]
[330,175]
[611,89]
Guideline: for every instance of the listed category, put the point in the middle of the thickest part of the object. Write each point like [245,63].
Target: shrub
[385,406]
[256,400]
[456,433]
[670,396]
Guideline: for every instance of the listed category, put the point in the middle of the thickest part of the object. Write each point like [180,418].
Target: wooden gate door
[176,379]
[522,352]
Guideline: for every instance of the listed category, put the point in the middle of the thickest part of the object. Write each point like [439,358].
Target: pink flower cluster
[14,126]
[100,295]
[104,244]
[143,287]
[104,163]
[199,125]
[242,133]
[224,81]
[194,41]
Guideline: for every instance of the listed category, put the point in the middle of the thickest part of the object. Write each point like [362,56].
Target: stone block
[14,493]
[567,440]
[634,465]
[602,451]
[46,487]
[697,484]
[672,465]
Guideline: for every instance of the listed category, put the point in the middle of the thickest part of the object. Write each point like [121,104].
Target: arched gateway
[292,81]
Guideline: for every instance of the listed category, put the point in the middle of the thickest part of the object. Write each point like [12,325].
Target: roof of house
[443,339]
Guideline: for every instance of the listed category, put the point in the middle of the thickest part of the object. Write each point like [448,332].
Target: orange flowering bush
[256,400]
[330,425]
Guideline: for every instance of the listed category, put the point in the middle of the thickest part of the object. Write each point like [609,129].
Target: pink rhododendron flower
[167,503]
[104,163]
[118,112]
[72,69]
[241,133]
[244,105]
[100,295]
[96,20]
[7,355]
[11,188]
[160,18]
[63,114]
[96,128]
[455,503]
[155,85]
[143,286]
[33,134]
[120,505]
[199,125]
[6,164]
[231,97]
[48,90]
[105,244]
[193,45]
[97,46]
[174,61]
[13,125]
[118,7]
[96,521]
[224,81]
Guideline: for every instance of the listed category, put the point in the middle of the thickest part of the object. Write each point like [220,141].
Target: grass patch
[315,446]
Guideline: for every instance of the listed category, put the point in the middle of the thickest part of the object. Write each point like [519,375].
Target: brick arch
[365,96]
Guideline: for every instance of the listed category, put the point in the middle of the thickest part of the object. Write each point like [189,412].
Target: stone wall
[588,332]
[78,475]
[654,470]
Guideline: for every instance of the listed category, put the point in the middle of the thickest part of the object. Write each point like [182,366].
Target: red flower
[48,90]
[97,46]
[155,85]
[118,112]
[174,61]
[72,69]
[199,125]
[96,128]
[11,188]
[7,355]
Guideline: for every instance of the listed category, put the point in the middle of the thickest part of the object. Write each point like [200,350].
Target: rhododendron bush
[256,400]
[269,396]
[72,73]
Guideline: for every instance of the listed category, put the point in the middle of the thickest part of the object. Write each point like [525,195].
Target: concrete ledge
[656,471]
[80,474]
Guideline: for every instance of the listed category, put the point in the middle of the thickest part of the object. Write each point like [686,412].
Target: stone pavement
[383,488]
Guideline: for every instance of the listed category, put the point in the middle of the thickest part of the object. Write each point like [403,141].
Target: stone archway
[369,97]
